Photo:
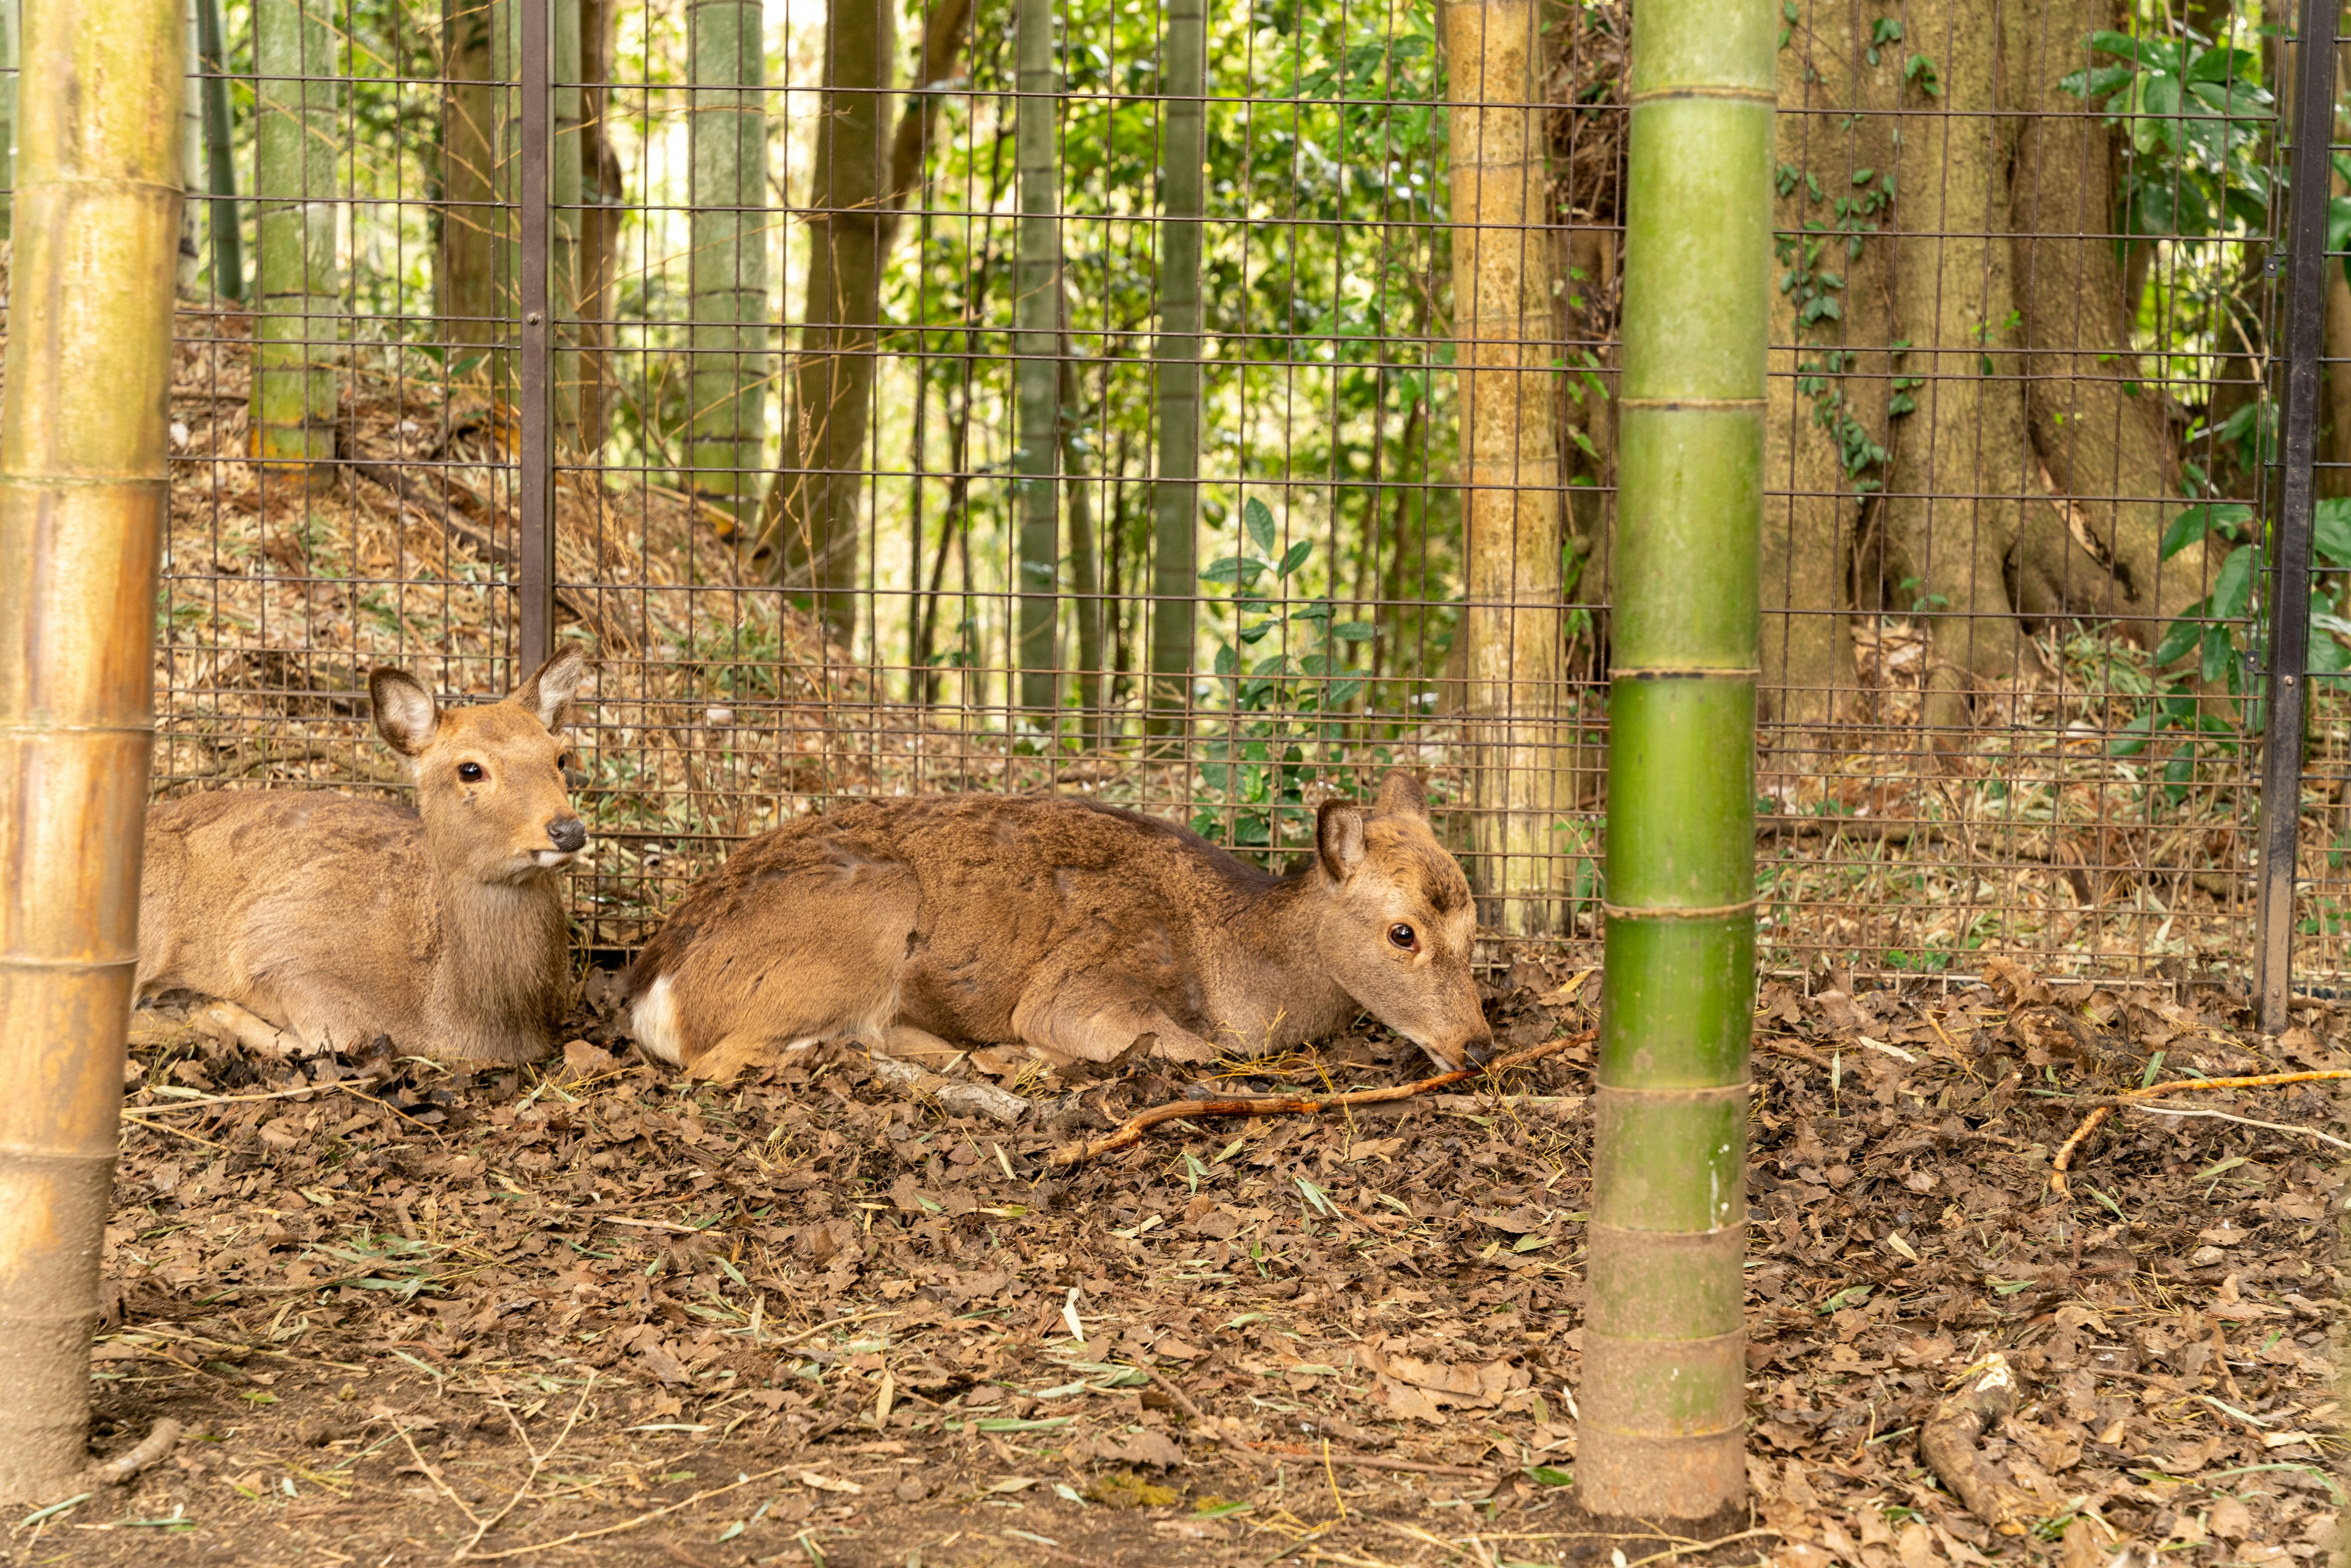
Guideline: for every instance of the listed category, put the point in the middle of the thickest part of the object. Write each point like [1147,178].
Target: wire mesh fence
[1207,409]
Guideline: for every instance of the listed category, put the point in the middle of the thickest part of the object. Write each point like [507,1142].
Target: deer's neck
[501,966]
[1269,981]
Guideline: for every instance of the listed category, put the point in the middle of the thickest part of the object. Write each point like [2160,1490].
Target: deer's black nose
[569,834]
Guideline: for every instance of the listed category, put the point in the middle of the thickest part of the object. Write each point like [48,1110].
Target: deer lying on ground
[1080,929]
[337,920]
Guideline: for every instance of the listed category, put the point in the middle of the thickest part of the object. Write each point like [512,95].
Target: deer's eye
[470,773]
[1402,936]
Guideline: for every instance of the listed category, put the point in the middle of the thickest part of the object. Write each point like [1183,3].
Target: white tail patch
[653,1019]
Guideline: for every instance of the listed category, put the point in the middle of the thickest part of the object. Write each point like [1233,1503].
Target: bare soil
[598,1314]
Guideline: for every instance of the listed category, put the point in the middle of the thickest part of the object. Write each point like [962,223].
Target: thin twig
[646,1518]
[538,1463]
[1381,1462]
[2241,1121]
[2105,1107]
[1130,1131]
[434,1476]
[1701,1546]
[120,1470]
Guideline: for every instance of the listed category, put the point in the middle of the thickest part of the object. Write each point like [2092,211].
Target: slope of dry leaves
[415,1315]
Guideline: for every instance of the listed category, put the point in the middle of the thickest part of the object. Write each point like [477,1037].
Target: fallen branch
[1378,1462]
[1986,1396]
[2106,1106]
[120,1470]
[1130,1131]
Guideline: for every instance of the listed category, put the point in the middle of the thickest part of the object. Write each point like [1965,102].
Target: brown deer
[337,920]
[1078,928]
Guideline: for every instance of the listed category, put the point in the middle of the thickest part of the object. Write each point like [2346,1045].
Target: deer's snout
[569,834]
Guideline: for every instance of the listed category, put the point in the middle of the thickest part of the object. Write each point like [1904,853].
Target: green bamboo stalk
[727,273]
[296,329]
[1037,348]
[1663,1350]
[191,153]
[1175,495]
[219,156]
[82,495]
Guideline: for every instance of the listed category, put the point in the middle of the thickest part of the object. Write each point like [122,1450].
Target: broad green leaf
[2234,584]
[1355,631]
[1294,556]
[1258,520]
[2330,530]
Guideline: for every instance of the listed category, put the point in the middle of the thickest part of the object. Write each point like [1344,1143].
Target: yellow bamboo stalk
[81,515]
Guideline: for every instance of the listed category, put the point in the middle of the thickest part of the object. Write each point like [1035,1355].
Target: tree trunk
[466,281]
[82,500]
[910,148]
[1175,495]
[809,534]
[1829,393]
[1502,269]
[2096,422]
[604,189]
[1037,346]
[192,148]
[1664,1406]
[728,289]
[298,327]
[566,163]
[1964,463]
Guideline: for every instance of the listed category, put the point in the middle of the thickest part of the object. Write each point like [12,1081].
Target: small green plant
[1282,707]
[2195,112]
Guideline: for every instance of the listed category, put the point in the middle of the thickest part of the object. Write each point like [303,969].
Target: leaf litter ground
[600,1314]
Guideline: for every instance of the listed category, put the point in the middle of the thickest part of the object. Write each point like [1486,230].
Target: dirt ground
[598,1314]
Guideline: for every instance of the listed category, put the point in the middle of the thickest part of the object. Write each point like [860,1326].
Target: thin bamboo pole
[1037,348]
[82,516]
[564,188]
[220,158]
[1663,1349]
[1176,493]
[11,26]
[296,329]
[1502,267]
[727,273]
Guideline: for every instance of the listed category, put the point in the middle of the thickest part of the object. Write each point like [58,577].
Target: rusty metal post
[82,497]
[535,555]
[2285,719]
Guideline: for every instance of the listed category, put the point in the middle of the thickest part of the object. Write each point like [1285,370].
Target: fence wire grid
[1142,401]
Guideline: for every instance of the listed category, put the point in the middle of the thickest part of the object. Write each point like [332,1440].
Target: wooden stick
[2096,1118]
[1130,1131]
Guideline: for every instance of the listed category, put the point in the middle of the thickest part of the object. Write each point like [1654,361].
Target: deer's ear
[548,694]
[1339,838]
[1401,795]
[405,714]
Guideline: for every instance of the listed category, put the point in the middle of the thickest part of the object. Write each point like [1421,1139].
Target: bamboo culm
[727,272]
[1176,493]
[298,328]
[1665,1368]
[82,495]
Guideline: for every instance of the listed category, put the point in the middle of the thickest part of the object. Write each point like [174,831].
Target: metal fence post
[534,528]
[2287,691]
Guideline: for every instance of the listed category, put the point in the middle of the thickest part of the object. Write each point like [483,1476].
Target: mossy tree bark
[465,280]
[1503,265]
[808,533]
[82,495]
[1175,488]
[1663,1406]
[728,269]
[298,329]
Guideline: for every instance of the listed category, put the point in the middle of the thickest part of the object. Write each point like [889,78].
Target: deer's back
[1005,885]
[248,891]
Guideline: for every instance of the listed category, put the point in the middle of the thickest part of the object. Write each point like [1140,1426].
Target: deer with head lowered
[1081,929]
[335,920]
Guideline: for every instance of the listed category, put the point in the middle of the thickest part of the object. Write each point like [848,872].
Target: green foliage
[2195,113]
[1284,726]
